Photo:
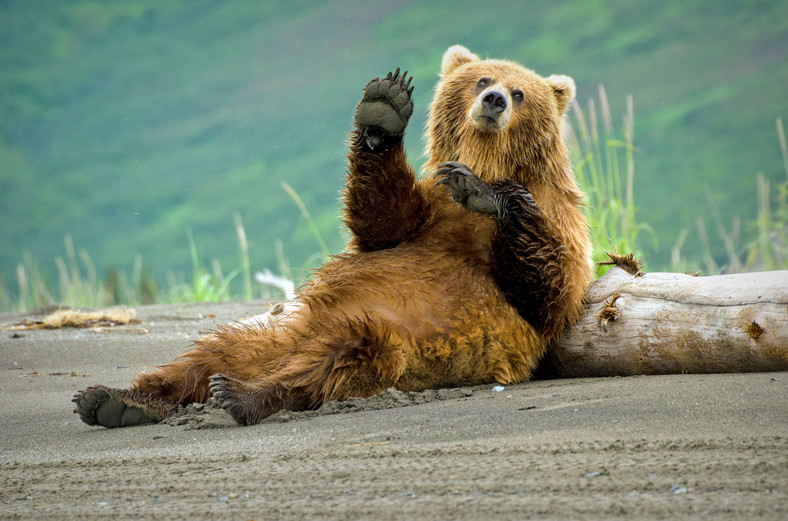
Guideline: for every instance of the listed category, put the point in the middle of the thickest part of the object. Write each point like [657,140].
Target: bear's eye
[518,95]
[483,83]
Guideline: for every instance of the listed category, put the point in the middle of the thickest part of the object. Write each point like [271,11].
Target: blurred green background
[126,125]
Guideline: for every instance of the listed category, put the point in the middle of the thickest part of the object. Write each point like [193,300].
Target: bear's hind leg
[158,395]
[108,407]
[319,371]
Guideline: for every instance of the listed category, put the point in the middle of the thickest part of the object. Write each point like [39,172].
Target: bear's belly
[449,315]
[419,288]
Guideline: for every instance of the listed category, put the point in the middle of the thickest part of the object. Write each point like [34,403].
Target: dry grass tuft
[76,318]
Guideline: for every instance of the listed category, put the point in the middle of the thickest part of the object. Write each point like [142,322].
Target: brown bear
[460,281]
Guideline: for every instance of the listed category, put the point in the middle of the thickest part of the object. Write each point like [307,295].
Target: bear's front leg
[530,263]
[383,202]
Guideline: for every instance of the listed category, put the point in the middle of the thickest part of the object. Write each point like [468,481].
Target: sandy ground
[664,447]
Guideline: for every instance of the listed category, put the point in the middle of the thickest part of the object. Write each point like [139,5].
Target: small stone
[677,489]
[498,388]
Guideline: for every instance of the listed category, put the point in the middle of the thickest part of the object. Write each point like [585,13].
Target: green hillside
[127,124]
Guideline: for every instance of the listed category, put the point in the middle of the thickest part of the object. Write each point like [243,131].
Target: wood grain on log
[662,323]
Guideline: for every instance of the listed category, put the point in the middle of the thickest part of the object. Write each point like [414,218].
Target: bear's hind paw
[246,404]
[220,390]
[100,405]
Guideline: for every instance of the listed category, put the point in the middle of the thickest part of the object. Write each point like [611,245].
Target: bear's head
[497,117]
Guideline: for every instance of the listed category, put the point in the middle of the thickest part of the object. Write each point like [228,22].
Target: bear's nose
[494,102]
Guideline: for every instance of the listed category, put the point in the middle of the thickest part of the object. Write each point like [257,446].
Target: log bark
[662,323]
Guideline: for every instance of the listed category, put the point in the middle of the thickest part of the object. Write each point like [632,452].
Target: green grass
[78,284]
[769,249]
[605,169]
[124,124]
[308,217]
[604,165]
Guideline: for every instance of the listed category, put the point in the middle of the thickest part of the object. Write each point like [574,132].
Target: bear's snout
[494,102]
[492,110]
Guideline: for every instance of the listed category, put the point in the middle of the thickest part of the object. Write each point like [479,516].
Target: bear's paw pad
[99,406]
[386,104]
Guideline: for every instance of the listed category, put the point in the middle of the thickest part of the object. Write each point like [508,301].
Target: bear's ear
[455,56]
[564,90]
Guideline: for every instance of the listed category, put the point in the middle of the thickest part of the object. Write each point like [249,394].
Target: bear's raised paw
[385,108]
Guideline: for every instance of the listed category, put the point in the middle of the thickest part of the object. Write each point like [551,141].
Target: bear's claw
[225,394]
[98,405]
[246,403]
[220,391]
[385,107]
[467,189]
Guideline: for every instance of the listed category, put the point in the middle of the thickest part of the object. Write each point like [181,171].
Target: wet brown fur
[415,303]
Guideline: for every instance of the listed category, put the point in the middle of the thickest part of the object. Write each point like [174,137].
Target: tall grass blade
[305,213]
[610,206]
[243,246]
[21,280]
[783,148]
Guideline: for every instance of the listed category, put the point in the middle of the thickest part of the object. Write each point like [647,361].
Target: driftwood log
[661,323]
